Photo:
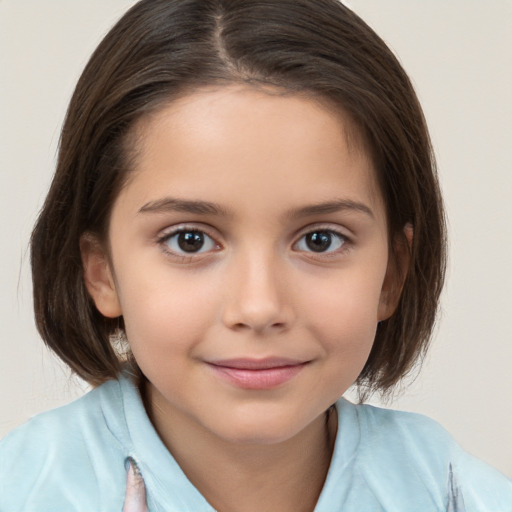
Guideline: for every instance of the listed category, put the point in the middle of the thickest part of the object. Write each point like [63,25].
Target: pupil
[319,241]
[190,241]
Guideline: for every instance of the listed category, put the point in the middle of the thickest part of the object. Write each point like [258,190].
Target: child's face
[250,262]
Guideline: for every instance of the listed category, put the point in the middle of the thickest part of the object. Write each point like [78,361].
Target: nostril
[259,310]
[240,326]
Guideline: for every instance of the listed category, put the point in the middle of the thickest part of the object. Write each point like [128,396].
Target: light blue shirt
[73,459]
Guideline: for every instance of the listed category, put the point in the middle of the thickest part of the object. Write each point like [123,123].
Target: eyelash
[344,240]
[163,241]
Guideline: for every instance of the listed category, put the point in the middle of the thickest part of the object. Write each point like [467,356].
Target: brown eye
[189,241]
[321,241]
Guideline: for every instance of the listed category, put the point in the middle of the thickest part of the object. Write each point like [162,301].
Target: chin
[259,427]
[266,435]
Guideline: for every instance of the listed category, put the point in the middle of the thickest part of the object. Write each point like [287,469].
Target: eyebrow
[171,204]
[335,206]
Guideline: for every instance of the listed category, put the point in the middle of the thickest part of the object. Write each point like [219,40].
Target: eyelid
[187,226]
[325,226]
[167,233]
[329,228]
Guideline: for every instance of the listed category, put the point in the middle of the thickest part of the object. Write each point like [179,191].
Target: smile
[257,374]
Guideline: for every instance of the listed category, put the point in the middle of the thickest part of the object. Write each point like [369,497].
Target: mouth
[257,374]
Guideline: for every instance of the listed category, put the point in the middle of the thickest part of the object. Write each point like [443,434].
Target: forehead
[239,144]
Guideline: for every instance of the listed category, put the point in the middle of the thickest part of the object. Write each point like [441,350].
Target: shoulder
[400,429]
[399,447]
[58,455]
[53,430]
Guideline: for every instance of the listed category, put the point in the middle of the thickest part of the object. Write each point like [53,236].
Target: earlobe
[98,276]
[396,273]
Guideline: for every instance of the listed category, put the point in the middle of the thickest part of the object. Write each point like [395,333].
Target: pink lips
[257,373]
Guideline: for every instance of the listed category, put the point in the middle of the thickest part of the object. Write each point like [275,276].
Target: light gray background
[458,53]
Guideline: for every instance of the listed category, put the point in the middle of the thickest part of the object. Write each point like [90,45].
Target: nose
[258,298]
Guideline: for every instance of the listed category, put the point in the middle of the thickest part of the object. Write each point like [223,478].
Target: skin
[254,290]
[135,497]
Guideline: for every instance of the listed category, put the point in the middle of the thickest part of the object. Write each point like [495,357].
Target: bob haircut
[163,49]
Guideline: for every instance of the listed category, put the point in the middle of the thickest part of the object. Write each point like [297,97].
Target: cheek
[165,314]
[344,312]
[353,288]
[345,323]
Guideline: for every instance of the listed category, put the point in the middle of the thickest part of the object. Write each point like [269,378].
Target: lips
[257,373]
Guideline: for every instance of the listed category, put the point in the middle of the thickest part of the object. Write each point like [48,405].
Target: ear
[396,273]
[98,276]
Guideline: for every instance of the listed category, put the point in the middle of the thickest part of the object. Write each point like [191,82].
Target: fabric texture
[75,458]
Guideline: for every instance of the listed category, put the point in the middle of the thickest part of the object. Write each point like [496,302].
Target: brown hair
[164,48]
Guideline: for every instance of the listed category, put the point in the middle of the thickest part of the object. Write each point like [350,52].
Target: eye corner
[322,242]
[187,243]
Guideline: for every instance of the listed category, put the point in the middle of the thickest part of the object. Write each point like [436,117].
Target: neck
[240,477]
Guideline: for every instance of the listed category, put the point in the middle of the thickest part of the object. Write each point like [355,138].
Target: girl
[244,221]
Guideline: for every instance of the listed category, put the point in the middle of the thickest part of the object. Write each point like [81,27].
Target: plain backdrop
[458,54]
